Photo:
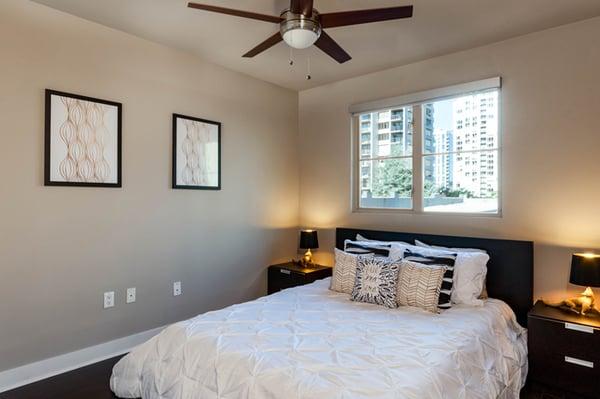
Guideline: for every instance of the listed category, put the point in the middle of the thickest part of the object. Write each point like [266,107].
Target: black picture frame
[175,185]
[48,140]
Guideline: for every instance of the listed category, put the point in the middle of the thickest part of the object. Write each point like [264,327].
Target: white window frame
[415,100]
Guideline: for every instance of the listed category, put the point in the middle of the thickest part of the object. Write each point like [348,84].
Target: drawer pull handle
[579,327]
[579,362]
[285,271]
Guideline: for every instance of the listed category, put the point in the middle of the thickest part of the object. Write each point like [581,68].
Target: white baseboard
[37,371]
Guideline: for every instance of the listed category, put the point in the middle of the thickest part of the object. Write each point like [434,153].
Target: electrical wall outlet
[177,288]
[109,299]
[130,295]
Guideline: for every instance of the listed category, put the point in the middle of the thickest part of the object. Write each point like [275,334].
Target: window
[457,159]
[389,181]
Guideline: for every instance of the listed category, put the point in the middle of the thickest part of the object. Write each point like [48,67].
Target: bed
[310,342]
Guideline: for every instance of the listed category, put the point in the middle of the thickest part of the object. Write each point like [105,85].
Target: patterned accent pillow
[344,271]
[419,285]
[376,282]
[367,247]
[441,260]
[484,293]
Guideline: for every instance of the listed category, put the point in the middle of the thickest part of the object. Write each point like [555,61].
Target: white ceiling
[437,27]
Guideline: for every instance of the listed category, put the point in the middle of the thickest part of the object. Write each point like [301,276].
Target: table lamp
[308,241]
[585,271]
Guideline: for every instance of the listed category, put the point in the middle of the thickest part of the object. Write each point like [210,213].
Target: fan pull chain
[308,77]
[291,61]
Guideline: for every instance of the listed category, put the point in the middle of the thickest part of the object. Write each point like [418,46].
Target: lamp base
[307,259]
[581,305]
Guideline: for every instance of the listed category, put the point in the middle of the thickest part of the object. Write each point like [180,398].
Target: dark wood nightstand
[564,350]
[286,275]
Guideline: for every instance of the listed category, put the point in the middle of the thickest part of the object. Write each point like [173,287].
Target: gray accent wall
[62,247]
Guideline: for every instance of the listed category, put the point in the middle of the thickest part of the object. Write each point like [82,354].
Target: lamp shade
[585,270]
[309,239]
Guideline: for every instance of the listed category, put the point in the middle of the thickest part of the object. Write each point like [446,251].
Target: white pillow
[422,244]
[361,238]
[469,279]
[470,270]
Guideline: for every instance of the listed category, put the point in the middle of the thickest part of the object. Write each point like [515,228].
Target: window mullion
[355,161]
[417,159]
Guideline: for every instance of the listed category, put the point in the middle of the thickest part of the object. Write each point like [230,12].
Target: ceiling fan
[301,25]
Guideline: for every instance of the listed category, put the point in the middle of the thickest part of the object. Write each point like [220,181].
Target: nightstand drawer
[564,355]
[280,279]
[287,275]
[569,373]
[565,339]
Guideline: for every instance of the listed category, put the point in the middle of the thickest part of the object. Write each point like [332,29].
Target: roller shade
[427,95]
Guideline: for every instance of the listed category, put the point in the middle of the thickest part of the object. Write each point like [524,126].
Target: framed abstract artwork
[196,153]
[83,141]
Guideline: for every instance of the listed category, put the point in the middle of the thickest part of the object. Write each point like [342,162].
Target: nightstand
[286,275]
[564,350]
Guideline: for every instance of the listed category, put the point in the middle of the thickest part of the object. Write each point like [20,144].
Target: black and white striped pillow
[365,247]
[442,260]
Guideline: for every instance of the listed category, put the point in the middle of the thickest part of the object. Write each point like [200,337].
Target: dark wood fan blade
[345,18]
[303,7]
[332,49]
[270,42]
[237,13]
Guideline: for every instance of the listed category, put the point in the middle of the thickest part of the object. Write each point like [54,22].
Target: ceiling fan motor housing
[300,31]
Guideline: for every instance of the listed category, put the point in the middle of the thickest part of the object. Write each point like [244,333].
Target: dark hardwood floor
[91,382]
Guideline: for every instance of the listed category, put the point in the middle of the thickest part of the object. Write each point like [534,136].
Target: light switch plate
[109,299]
[177,288]
[131,295]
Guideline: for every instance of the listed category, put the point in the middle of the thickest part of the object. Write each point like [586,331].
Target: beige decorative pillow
[419,285]
[484,293]
[344,271]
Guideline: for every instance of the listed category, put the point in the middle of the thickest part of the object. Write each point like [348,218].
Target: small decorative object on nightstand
[564,350]
[585,271]
[290,274]
[308,240]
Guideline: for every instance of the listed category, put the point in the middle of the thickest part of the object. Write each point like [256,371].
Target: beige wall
[61,248]
[551,140]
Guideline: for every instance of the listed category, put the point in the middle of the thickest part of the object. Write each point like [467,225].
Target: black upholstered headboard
[510,268]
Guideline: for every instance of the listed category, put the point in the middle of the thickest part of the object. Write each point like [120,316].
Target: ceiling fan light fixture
[302,27]
[299,31]
[300,38]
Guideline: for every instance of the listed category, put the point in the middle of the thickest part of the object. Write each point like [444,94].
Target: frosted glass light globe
[300,38]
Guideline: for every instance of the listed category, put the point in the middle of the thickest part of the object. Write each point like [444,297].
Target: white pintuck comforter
[309,342]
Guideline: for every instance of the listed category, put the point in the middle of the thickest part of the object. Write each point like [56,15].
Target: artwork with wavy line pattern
[196,153]
[83,141]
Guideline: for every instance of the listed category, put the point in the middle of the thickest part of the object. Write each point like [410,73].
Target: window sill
[497,215]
